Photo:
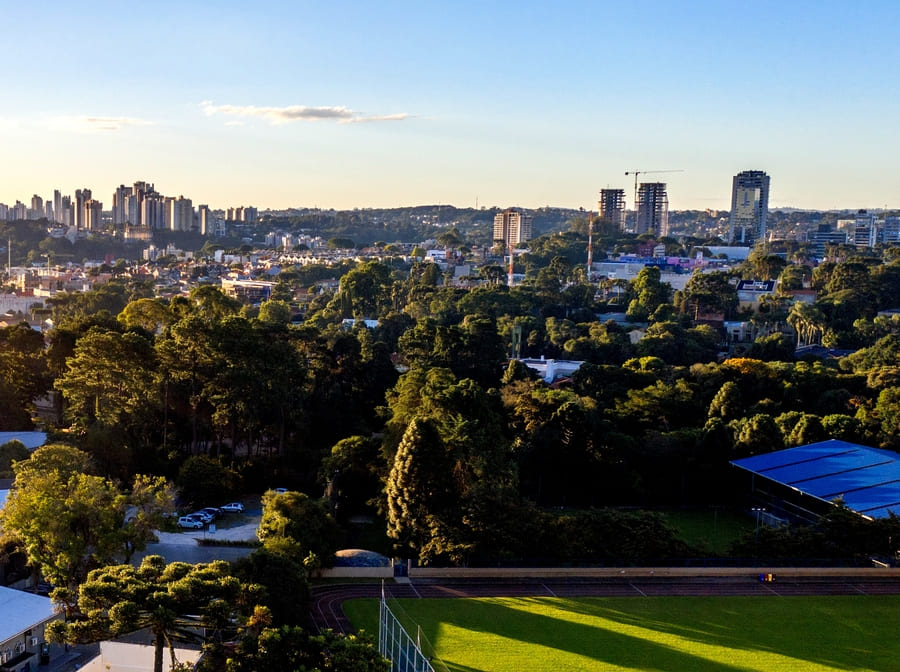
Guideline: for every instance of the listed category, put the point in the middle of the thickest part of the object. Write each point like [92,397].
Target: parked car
[279,491]
[190,523]
[202,515]
[212,511]
[232,507]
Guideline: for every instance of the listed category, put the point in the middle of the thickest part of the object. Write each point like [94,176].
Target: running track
[327,601]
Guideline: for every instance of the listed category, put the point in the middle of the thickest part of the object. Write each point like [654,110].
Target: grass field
[713,529]
[690,634]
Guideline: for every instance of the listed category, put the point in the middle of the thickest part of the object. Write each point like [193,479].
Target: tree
[23,374]
[71,522]
[174,601]
[808,321]
[292,648]
[109,380]
[299,527]
[419,487]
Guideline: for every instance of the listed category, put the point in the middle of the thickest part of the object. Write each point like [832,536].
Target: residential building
[512,227]
[120,209]
[612,207]
[865,233]
[890,230]
[749,207]
[93,215]
[181,214]
[652,209]
[824,235]
[24,617]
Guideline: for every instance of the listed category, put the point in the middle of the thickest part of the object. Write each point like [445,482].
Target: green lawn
[686,634]
[714,529]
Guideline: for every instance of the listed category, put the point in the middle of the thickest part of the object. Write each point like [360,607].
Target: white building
[23,617]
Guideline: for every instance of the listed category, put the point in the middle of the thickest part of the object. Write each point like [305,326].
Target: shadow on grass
[499,618]
[844,632]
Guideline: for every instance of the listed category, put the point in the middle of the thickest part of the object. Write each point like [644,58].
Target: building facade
[612,207]
[749,207]
[512,227]
[652,209]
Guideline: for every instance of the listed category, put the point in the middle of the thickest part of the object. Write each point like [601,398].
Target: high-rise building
[81,197]
[64,216]
[93,215]
[865,233]
[120,205]
[749,207]
[181,214]
[612,207]
[153,211]
[890,230]
[205,222]
[512,227]
[58,206]
[37,207]
[652,209]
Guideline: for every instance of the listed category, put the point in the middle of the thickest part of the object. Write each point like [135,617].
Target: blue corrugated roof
[867,479]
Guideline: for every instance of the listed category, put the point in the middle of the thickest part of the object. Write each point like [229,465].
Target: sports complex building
[801,483]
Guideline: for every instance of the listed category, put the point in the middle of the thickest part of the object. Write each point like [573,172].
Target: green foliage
[176,602]
[292,648]
[283,582]
[295,525]
[10,452]
[204,480]
[70,522]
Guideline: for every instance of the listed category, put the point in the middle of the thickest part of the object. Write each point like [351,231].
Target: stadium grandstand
[802,483]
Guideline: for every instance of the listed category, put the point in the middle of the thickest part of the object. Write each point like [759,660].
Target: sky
[384,104]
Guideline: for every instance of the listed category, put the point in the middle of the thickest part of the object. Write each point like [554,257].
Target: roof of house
[866,479]
[22,611]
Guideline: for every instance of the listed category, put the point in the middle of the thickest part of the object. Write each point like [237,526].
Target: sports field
[696,634]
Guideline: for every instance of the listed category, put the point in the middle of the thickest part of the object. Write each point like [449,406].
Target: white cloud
[290,113]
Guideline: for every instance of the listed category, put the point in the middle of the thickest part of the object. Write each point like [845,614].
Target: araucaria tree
[175,601]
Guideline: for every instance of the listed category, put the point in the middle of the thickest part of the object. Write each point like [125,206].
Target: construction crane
[644,172]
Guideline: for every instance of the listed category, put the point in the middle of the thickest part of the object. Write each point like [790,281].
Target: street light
[758,510]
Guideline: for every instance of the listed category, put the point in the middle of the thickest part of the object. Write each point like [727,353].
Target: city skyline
[353,105]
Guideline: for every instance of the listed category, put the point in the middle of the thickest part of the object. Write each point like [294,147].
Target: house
[23,617]
[749,292]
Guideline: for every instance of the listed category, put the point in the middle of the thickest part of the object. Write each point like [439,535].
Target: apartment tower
[512,227]
[749,207]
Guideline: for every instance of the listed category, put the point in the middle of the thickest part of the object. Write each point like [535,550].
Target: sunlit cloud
[91,124]
[283,115]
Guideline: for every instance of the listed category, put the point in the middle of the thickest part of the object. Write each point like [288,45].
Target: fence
[394,642]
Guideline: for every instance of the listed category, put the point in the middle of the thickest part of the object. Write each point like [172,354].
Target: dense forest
[425,424]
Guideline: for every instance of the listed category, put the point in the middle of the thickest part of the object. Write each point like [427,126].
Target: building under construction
[612,207]
[652,209]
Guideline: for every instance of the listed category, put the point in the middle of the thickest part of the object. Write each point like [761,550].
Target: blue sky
[356,104]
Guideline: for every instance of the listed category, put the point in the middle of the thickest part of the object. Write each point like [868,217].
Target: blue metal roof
[867,479]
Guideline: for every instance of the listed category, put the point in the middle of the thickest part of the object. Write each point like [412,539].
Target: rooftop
[21,611]
[866,479]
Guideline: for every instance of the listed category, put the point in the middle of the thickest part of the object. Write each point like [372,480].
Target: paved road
[184,546]
[327,601]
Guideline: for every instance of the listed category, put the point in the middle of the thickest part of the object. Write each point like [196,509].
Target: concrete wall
[644,572]
[356,573]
